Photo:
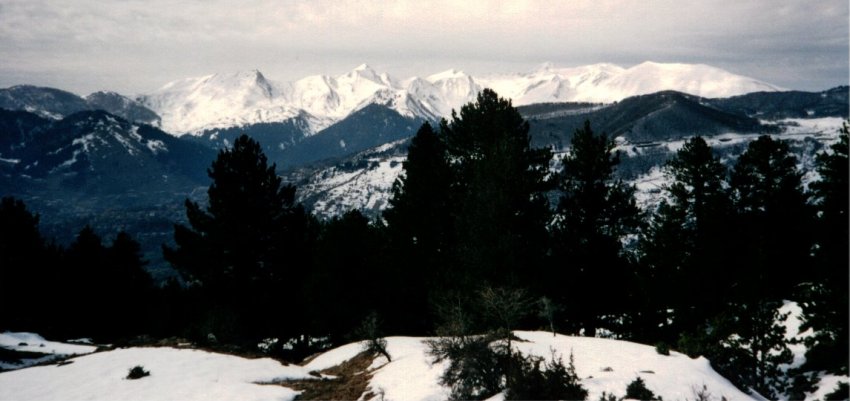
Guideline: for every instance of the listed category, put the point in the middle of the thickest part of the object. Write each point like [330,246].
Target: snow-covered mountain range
[197,105]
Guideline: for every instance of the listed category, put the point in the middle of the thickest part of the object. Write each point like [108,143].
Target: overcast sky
[135,46]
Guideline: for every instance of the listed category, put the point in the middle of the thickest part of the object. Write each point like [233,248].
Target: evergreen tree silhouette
[348,282]
[23,266]
[129,291]
[500,189]
[773,221]
[86,278]
[684,244]
[420,231]
[825,307]
[247,248]
[593,215]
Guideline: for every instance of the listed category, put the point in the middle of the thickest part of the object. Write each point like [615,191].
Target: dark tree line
[87,289]
[477,209]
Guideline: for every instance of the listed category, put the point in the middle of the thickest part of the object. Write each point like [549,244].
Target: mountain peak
[447,74]
[363,67]
[365,71]
[545,67]
[227,100]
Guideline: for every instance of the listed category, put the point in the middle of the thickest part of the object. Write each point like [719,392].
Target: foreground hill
[604,365]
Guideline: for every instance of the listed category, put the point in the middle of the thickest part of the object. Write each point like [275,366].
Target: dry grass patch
[350,382]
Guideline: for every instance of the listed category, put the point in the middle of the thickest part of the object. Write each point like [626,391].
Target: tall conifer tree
[684,244]
[502,210]
[420,228]
[773,220]
[23,263]
[595,212]
[247,248]
[826,306]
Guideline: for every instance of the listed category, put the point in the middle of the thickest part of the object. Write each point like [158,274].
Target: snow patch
[175,374]
[156,146]
[31,342]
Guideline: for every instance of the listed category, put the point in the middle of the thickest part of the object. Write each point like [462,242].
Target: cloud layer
[135,46]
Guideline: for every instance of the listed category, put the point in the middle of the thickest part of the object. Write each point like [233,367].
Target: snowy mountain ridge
[194,105]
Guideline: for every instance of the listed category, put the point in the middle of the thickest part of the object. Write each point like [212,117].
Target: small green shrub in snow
[636,390]
[137,372]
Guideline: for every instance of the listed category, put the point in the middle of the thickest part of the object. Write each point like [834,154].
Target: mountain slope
[658,116]
[56,104]
[646,136]
[46,102]
[790,104]
[123,107]
[604,365]
[194,105]
[371,126]
[17,131]
[95,152]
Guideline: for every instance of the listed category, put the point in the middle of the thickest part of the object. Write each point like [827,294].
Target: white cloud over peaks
[139,45]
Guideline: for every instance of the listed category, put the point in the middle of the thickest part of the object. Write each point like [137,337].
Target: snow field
[603,365]
[411,376]
[175,374]
[30,342]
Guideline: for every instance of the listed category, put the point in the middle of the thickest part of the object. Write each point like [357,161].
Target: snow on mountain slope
[365,183]
[218,101]
[695,79]
[602,364]
[175,374]
[367,189]
[194,105]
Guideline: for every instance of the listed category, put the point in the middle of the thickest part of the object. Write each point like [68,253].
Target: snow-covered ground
[175,374]
[793,321]
[29,342]
[603,365]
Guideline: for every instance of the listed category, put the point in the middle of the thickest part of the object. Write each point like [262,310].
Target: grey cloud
[135,46]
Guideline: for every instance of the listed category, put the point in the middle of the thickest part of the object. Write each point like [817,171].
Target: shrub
[475,370]
[662,348]
[702,394]
[554,381]
[137,372]
[637,390]
[370,331]
[607,397]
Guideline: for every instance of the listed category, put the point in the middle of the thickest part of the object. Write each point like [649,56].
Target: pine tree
[347,268]
[826,305]
[500,189]
[637,390]
[420,232]
[23,261]
[247,247]
[418,213]
[595,212]
[86,279]
[129,293]
[773,242]
[685,242]
[772,218]
[753,347]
